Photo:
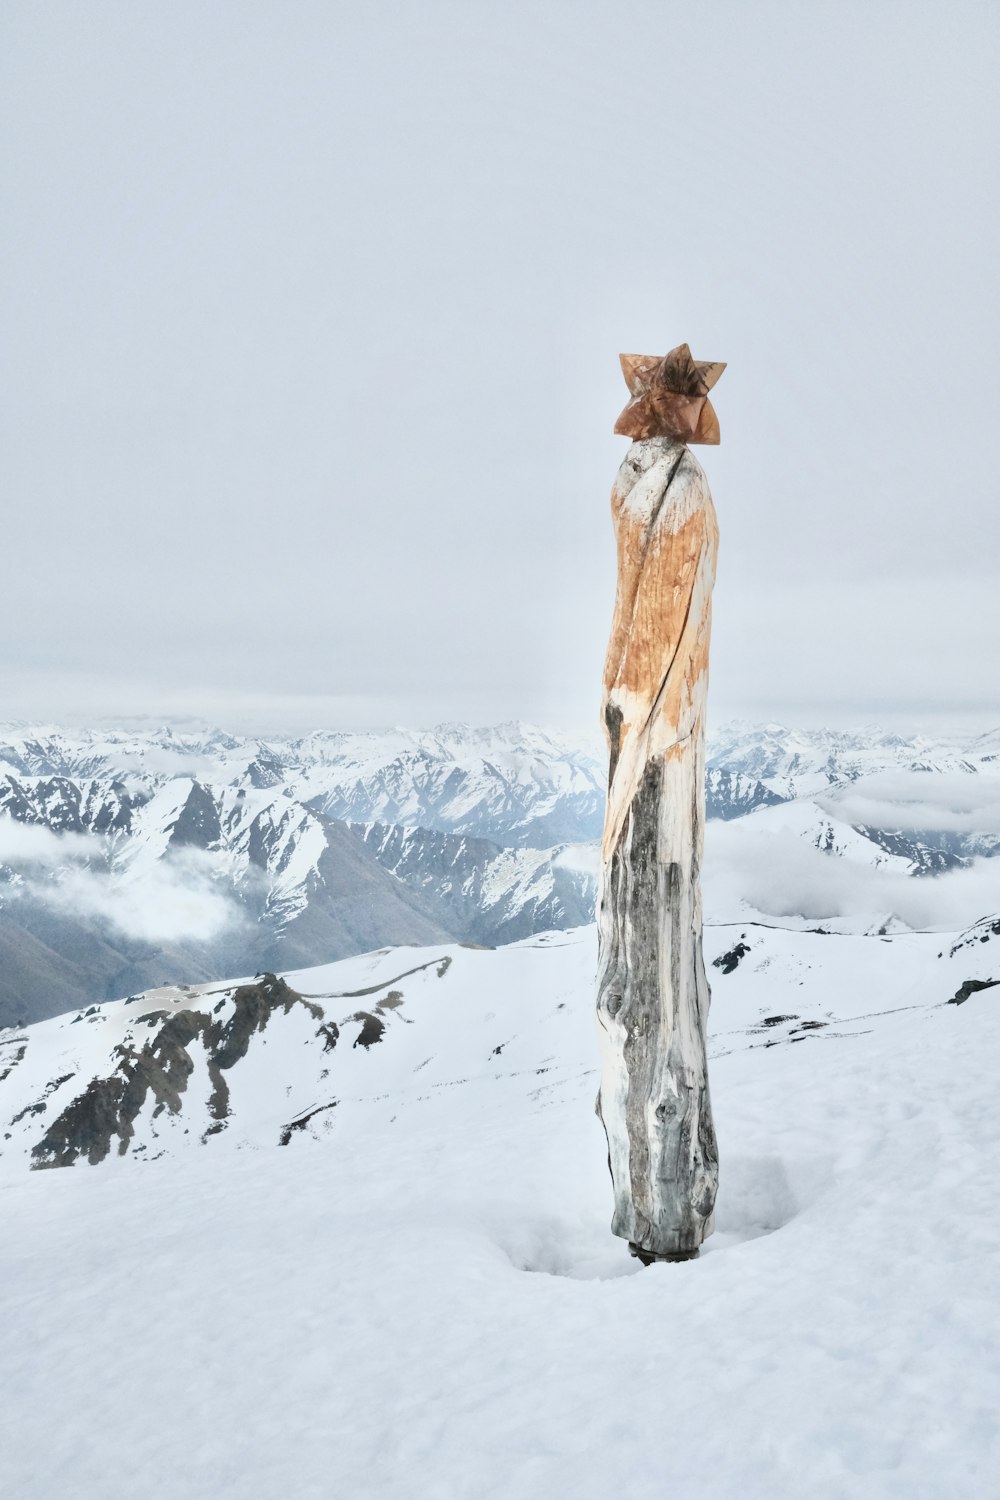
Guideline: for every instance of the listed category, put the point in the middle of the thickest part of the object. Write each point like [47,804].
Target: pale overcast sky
[310,324]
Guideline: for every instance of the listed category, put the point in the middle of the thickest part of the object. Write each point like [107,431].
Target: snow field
[419,1295]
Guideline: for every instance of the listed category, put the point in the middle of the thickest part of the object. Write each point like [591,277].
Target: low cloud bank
[915,801]
[33,846]
[188,896]
[174,901]
[781,875]
[177,899]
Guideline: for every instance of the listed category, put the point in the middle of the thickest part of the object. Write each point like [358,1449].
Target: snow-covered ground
[418,1295]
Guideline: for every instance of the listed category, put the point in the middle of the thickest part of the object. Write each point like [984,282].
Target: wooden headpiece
[669,397]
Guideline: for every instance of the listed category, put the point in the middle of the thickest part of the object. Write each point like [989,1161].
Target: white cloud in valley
[33,846]
[915,801]
[778,874]
[175,899]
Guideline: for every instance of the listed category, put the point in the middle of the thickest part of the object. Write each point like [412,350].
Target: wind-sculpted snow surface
[395,1257]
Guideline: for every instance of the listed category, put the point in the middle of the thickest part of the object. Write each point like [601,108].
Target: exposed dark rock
[29,1109]
[372,1028]
[198,823]
[69,806]
[731,794]
[162,1066]
[930,853]
[330,1034]
[302,1122]
[971,987]
[982,932]
[727,962]
[11,1063]
[86,1126]
[253,1005]
[265,770]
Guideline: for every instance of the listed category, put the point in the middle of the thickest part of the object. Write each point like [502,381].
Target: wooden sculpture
[653,996]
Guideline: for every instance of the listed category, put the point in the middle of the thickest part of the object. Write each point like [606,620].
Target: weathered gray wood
[653,994]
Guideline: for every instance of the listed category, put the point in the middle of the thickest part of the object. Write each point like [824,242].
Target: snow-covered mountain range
[137,858]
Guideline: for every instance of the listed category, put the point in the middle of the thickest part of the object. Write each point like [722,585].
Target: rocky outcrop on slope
[160,1067]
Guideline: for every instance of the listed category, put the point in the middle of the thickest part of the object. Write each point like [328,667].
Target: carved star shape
[670,397]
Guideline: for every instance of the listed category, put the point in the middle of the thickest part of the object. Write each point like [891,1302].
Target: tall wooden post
[653,995]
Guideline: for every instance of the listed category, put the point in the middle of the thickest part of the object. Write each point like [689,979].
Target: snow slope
[418,1294]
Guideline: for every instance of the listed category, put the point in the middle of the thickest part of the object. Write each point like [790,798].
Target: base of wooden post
[649,1257]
